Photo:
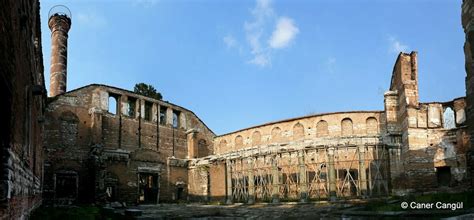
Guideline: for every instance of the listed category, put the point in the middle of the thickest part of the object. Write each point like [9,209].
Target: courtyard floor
[238,211]
[381,208]
[288,211]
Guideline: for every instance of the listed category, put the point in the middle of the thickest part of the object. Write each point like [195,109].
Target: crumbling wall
[23,98]
[199,187]
[68,140]
[426,142]
[316,127]
[467,14]
[175,181]
[428,134]
[217,181]
[108,143]
[285,151]
[297,171]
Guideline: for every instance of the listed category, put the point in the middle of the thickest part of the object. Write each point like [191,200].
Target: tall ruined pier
[59,23]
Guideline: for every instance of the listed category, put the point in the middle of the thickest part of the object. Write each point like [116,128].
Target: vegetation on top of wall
[147,90]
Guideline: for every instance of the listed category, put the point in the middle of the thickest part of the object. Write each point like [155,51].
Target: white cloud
[261,60]
[230,41]
[254,41]
[397,46]
[91,19]
[285,31]
[262,13]
[259,41]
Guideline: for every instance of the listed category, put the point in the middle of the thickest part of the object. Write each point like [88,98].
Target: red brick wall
[467,18]
[217,181]
[127,144]
[23,98]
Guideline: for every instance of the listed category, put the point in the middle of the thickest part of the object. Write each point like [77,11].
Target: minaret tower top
[59,22]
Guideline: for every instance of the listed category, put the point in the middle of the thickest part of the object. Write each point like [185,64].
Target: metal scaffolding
[314,173]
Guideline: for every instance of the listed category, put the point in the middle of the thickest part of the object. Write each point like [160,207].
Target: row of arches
[322,130]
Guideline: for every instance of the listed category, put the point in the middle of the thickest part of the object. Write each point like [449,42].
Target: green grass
[67,213]
[214,203]
[382,206]
[465,197]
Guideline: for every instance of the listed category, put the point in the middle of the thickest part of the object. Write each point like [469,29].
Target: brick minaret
[59,24]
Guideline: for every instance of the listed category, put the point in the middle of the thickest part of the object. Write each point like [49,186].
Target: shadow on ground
[383,208]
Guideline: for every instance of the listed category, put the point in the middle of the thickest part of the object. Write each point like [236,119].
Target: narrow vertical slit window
[175,119]
[148,111]
[162,115]
[131,107]
[113,104]
[449,119]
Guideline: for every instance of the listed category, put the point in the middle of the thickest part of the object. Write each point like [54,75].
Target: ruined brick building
[109,143]
[409,146]
[24,99]
[112,144]
[100,143]
[133,150]
[467,20]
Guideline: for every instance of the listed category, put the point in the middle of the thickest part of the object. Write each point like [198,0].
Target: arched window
[346,127]
[298,131]
[112,105]
[372,126]
[256,138]
[175,119]
[222,146]
[239,142]
[448,118]
[322,129]
[276,134]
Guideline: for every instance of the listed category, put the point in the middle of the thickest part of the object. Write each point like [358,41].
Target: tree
[147,90]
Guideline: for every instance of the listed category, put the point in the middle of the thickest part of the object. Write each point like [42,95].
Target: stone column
[251,180]
[228,182]
[142,108]
[96,125]
[331,175]
[302,176]
[192,143]
[362,173]
[276,181]
[391,114]
[182,120]
[123,105]
[154,112]
[169,116]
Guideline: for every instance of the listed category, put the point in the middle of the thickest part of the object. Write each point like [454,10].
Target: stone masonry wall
[314,127]
[23,97]
[467,14]
[422,139]
[431,134]
[108,135]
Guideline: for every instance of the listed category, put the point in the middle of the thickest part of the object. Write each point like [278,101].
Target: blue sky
[242,63]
